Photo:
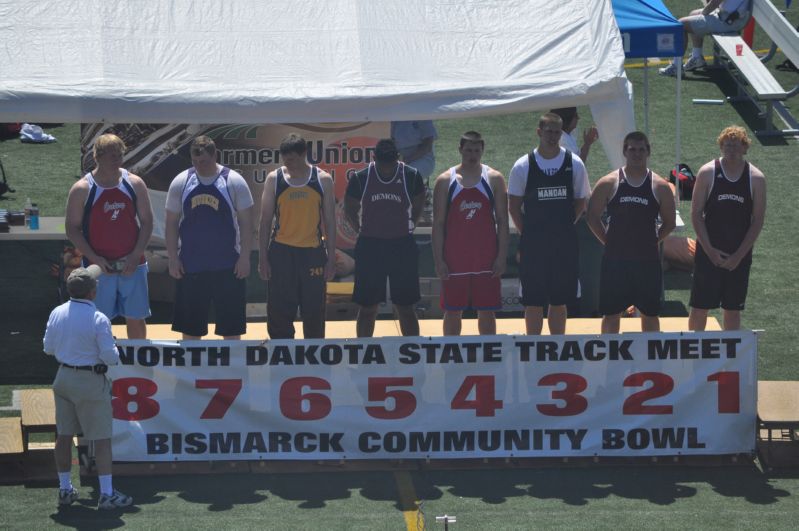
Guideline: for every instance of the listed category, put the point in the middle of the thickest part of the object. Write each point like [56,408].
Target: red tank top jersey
[110,221]
[470,244]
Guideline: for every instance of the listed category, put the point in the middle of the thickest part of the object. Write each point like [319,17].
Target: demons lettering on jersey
[634,199]
[730,197]
[396,198]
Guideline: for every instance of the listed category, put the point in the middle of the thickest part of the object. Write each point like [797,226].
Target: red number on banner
[292,398]
[126,391]
[484,402]
[404,401]
[729,391]
[662,384]
[226,393]
[575,403]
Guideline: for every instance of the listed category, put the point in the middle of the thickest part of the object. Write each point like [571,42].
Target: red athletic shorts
[478,292]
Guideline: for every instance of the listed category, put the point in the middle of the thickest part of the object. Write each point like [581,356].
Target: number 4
[484,402]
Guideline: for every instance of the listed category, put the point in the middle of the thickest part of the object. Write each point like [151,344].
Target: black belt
[78,367]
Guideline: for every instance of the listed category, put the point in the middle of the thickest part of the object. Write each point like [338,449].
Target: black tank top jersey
[632,229]
[728,209]
[549,199]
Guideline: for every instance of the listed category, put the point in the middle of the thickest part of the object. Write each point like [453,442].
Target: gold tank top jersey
[298,211]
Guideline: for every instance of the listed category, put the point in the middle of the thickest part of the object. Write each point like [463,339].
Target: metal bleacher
[755,81]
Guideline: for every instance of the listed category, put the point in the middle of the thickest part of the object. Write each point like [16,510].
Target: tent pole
[646,96]
[677,135]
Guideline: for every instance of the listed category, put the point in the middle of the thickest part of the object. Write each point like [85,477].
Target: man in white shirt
[79,336]
[547,193]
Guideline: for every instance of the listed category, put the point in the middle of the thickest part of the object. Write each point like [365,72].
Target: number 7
[227,391]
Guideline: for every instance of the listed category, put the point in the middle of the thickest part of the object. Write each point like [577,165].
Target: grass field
[644,497]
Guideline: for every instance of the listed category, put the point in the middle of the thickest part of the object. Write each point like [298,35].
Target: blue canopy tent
[648,29]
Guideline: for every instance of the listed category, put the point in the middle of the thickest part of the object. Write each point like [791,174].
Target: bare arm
[711,6]
[352,209]
[603,190]
[440,192]
[668,209]
[144,211]
[171,237]
[515,203]
[244,217]
[500,190]
[417,205]
[73,224]
[758,218]
[704,182]
[329,221]
[590,135]
[265,229]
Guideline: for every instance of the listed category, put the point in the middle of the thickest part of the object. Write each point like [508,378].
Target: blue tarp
[648,29]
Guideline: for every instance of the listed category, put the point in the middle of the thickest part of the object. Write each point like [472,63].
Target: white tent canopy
[287,61]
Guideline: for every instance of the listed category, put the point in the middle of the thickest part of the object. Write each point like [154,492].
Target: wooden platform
[430,327]
[778,423]
[12,468]
[38,413]
[10,436]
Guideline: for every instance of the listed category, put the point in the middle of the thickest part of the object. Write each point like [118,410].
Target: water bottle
[28,212]
[34,222]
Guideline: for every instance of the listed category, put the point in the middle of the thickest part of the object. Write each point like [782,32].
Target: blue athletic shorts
[124,295]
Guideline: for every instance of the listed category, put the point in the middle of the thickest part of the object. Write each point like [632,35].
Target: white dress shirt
[78,334]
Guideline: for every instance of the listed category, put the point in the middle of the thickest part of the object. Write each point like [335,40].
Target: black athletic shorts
[194,296]
[714,286]
[378,259]
[549,269]
[625,283]
[297,282]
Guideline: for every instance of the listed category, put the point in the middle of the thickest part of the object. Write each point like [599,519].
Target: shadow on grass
[580,486]
[84,514]
[659,485]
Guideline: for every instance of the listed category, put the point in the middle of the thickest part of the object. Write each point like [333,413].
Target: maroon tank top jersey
[728,209]
[632,229]
[470,246]
[386,205]
[110,221]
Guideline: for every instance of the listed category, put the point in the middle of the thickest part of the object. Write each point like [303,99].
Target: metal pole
[678,125]
[646,96]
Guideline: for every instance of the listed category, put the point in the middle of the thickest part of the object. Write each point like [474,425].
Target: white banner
[481,396]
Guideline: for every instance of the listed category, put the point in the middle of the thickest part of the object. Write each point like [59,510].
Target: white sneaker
[116,500]
[669,70]
[694,63]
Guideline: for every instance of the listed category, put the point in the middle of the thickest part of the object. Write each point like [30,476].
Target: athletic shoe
[116,500]
[694,63]
[67,496]
[669,70]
